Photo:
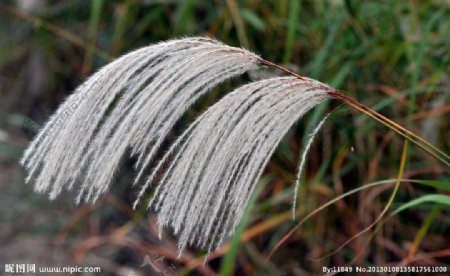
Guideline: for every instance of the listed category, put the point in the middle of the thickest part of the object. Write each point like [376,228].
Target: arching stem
[407,134]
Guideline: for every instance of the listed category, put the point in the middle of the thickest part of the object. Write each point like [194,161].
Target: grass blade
[228,260]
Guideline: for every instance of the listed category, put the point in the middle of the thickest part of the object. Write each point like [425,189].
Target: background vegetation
[393,56]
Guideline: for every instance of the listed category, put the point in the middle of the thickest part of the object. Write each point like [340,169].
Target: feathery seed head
[133,102]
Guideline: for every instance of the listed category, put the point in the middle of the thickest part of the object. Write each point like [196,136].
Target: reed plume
[216,163]
[131,103]
[206,178]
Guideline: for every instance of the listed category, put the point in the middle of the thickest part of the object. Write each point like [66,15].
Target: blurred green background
[393,56]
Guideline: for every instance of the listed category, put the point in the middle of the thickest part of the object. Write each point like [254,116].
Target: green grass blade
[436,184]
[421,234]
[418,65]
[228,261]
[294,8]
[433,198]
[96,9]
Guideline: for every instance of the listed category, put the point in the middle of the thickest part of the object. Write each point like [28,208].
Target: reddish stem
[340,95]
[271,64]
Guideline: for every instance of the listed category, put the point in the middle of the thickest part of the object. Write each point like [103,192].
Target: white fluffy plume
[132,103]
[216,163]
[148,90]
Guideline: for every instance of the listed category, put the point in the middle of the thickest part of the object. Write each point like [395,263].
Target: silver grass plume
[210,171]
[302,162]
[148,90]
[216,163]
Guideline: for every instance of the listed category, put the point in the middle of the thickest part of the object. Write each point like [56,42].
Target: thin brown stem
[341,95]
[271,64]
